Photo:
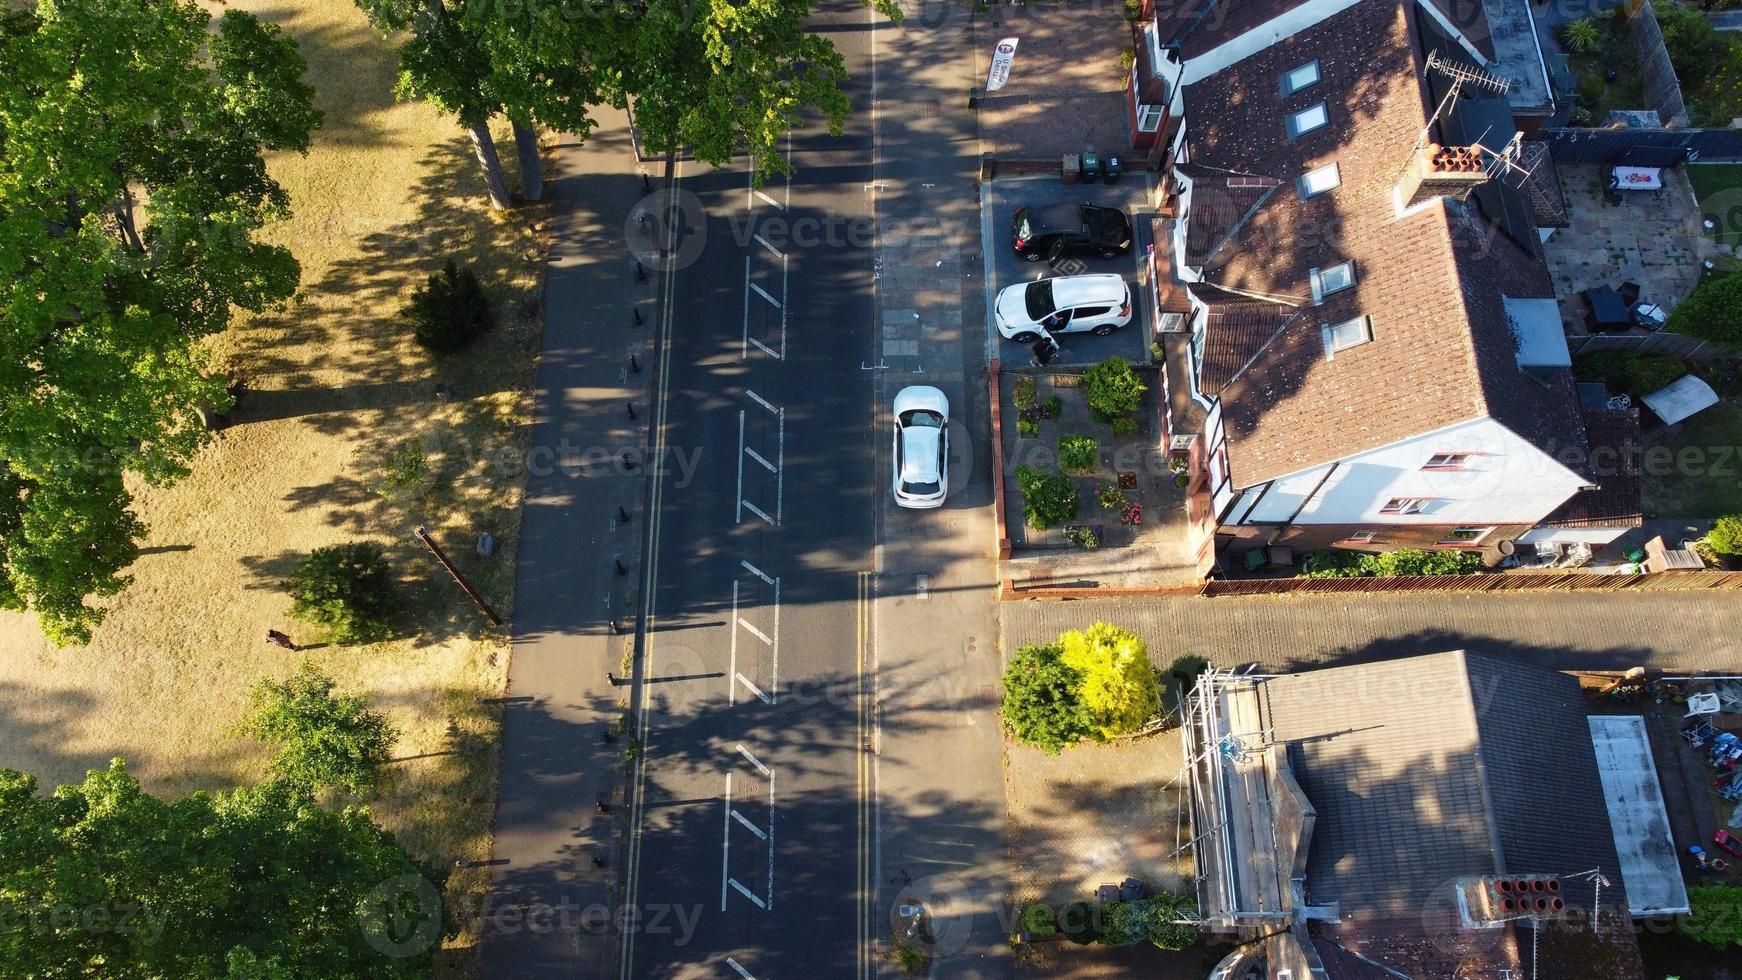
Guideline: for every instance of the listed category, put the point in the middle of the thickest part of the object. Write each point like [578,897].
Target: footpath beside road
[559,804]
[1692,631]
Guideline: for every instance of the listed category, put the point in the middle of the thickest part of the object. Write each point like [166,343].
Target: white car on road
[922,447]
[1098,304]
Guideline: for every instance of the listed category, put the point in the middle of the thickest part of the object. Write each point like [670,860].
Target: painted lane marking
[741,971]
[764,294]
[758,457]
[740,518]
[752,827]
[759,573]
[764,770]
[761,695]
[759,512]
[765,403]
[747,893]
[764,243]
[726,845]
[764,637]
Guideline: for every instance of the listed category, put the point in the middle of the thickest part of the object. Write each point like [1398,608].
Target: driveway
[1693,631]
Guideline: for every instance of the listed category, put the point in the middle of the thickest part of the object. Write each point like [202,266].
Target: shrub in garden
[346,589]
[1330,563]
[1053,407]
[1624,371]
[323,739]
[1118,686]
[1086,538]
[1696,49]
[1725,537]
[1027,428]
[1410,561]
[1079,454]
[1113,389]
[1048,499]
[1713,312]
[1041,704]
[1716,914]
[1155,919]
[1023,393]
[1077,922]
[1112,498]
[1583,36]
[1037,920]
[450,310]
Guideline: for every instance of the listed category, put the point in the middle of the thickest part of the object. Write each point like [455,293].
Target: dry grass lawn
[388,191]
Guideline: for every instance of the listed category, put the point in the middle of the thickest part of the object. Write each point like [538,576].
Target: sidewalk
[556,850]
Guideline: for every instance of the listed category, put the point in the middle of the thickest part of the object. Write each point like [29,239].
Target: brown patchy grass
[387,192]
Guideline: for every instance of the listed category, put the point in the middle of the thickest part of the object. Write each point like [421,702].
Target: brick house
[1364,347]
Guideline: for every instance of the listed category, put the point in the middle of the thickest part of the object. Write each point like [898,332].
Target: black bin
[1091,168]
[1114,168]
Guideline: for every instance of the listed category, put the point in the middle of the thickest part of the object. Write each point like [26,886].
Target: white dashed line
[741,971]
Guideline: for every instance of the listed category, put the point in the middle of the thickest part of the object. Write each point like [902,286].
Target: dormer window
[1306,120]
[1340,337]
[1299,78]
[1334,279]
[1318,181]
[1448,461]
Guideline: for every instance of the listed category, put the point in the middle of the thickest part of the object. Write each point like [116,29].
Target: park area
[344,430]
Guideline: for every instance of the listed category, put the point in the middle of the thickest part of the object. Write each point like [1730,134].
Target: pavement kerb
[1008,591]
[1001,530]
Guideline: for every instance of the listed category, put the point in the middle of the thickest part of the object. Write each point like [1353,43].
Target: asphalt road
[751,800]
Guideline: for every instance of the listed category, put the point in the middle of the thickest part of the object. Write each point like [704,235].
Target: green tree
[1583,36]
[1725,537]
[450,310]
[1118,684]
[1037,920]
[1113,389]
[348,590]
[1716,915]
[1048,499]
[257,883]
[132,190]
[1043,700]
[1713,312]
[324,739]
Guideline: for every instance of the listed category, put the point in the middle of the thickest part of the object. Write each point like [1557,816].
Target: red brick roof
[1432,280]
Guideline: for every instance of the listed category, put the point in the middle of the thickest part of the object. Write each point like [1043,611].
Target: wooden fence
[1667,344]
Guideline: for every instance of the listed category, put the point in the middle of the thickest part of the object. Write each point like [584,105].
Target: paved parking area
[1000,198]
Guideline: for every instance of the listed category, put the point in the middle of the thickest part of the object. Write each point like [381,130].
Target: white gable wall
[1507,481]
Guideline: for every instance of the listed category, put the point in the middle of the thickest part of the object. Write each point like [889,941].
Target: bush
[346,589]
[1409,561]
[1084,537]
[1154,919]
[1123,923]
[1077,922]
[1037,920]
[1027,428]
[1112,498]
[1624,371]
[1583,36]
[1124,425]
[1716,915]
[1696,49]
[1048,499]
[1112,388]
[1713,312]
[1079,454]
[405,472]
[1023,394]
[1054,407]
[1330,563]
[1042,706]
[1591,90]
[450,311]
[1117,688]
[323,739]
[1725,537]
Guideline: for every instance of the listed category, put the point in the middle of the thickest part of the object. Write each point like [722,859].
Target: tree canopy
[324,739]
[103,879]
[132,186]
[1041,704]
[1118,688]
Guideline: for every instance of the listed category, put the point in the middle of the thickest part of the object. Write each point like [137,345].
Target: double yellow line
[865,887]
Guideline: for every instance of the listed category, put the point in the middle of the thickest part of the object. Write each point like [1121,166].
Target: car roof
[1055,217]
[1077,290]
[919,455]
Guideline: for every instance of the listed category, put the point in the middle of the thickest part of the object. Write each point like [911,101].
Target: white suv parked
[1098,304]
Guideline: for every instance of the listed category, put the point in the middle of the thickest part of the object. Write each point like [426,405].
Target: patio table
[1608,311]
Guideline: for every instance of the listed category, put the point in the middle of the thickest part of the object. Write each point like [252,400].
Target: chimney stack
[1441,171]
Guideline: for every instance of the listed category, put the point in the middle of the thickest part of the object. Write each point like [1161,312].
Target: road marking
[726,845]
[758,192]
[764,348]
[759,634]
[752,827]
[755,509]
[753,454]
[732,688]
[862,884]
[764,770]
[747,893]
[764,243]
[760,694]
[745,350]
[741,971]
[758,399]
[650,573]
[740,518]
[780,474]
[759,573]
[764,294]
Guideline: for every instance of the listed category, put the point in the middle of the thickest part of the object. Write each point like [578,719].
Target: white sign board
[1002,56]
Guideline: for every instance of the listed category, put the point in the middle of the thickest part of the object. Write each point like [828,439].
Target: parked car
[922,447]
[1070,230]
[1097,304]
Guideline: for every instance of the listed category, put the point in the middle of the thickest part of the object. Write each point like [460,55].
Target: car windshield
[1038,296]
[919,489]
[919,418]
[1023,230]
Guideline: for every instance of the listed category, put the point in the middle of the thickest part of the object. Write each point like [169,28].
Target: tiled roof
[1614,465]
[1220,203]
[1235,330]
[1427,769]
[1432,280]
